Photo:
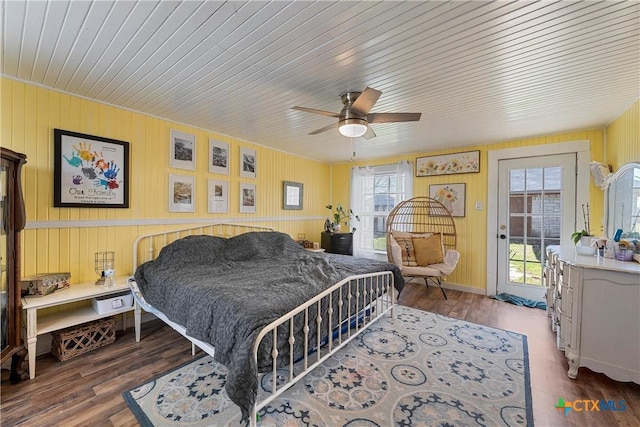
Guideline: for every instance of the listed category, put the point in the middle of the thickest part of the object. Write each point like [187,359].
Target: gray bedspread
[224,291]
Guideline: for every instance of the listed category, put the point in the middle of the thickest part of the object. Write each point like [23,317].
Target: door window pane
[516,203]
[534,179]
[535,208]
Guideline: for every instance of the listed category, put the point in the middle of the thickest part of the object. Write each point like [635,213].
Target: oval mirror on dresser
[622,202]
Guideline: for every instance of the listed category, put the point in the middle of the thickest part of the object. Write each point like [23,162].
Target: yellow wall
[51,244]
[30,113]
[623,138]
[472,237]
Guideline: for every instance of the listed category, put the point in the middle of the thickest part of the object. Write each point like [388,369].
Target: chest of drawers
[594,305]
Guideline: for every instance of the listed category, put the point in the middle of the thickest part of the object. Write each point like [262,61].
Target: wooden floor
[87,390]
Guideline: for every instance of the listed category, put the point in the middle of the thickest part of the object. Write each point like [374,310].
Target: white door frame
[583,156]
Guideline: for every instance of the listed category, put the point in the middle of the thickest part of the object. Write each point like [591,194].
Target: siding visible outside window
[375,190]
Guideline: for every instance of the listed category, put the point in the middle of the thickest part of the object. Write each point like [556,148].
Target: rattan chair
[420,216]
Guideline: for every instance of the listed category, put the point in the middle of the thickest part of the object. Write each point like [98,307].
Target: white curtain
[375,190]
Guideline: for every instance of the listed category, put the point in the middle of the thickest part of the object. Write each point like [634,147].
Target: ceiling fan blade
[314,111]
[393,117]
[369,134]
[324,129]
[365,101]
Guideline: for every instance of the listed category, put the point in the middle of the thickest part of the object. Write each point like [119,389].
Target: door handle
[503,236]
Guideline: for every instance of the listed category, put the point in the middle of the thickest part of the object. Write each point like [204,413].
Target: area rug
[417,368]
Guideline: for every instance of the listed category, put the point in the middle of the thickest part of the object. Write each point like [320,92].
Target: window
[375,190]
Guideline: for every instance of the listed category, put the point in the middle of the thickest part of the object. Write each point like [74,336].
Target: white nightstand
[67,316]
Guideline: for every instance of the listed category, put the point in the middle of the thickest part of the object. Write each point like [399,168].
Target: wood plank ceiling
[477,71]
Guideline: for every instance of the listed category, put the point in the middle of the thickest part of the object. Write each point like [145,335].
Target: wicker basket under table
[76,340]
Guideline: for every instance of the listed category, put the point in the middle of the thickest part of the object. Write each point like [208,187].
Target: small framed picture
[247,163]
[182,193]
[183,150]
[452,196]
[292,195]
[217,196]
[218,157]
[248,198]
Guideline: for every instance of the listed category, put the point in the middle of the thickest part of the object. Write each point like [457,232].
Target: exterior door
[536,208]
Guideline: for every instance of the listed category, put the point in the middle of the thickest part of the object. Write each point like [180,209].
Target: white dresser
[594,305]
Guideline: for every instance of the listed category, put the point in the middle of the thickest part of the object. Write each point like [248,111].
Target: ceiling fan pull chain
[353,156]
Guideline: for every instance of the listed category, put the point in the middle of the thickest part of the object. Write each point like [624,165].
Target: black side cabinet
[337,243]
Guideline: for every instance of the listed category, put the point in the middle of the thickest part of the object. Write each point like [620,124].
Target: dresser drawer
[550,284]
[559,266]
[564,331]
[550,260]
[559,341]
[566,301]
[568,276]
[555,319]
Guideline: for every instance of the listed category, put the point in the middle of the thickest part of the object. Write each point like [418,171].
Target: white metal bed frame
[376,290]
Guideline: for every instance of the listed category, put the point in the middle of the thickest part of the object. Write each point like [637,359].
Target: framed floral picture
[218,157]
[182,193]
[452,196]
[248,198]
[448,164]
[247,163]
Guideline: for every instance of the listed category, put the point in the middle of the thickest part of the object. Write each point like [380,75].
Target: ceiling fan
[354,119]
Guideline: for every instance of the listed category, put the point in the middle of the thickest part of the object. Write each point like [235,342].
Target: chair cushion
[445,268]
[428,250]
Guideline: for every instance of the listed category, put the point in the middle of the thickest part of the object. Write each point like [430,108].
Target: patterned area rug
[418,368]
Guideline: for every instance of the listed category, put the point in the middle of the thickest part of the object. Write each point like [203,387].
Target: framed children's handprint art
[89,171]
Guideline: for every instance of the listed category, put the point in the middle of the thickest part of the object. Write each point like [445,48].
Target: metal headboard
[147,247]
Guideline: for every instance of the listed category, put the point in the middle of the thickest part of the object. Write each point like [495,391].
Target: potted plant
[578,235]
[583,236]
[341,216]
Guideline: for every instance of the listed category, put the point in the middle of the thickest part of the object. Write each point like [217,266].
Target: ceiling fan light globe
[352,128]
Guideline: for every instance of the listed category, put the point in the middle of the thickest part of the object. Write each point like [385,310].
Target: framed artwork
[218,157]
[452,196]
[248,198]
[247,163]
[447,164]
[292,195]
[182,193]
[217,196]
[89,171]
[183,150]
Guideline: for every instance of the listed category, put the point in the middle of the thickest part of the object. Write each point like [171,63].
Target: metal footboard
[360,300]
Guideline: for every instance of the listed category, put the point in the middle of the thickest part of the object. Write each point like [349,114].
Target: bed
[258,302]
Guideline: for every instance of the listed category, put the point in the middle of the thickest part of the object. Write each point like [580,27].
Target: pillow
[192,250]
[396,252]
[256,245]
[428,250]
[408,253]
